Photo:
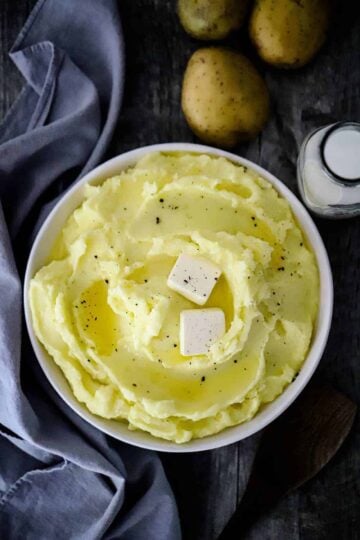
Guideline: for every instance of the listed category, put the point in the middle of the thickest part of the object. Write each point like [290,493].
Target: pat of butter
[199,329]
[194,278]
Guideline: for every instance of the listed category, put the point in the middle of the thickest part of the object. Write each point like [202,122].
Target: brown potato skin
[288,33]
[224,99]
[211,19]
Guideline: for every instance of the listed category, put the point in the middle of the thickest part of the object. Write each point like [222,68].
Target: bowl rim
[272,410]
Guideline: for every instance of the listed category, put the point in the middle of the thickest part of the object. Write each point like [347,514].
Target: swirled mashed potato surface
[103,311]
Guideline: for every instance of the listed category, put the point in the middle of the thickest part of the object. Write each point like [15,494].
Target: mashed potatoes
[103,311]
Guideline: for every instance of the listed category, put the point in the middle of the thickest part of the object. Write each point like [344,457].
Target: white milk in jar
[328,170]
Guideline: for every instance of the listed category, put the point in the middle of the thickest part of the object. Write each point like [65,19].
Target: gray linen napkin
[59,477]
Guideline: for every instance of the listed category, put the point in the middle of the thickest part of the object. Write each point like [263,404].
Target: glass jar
[328,170]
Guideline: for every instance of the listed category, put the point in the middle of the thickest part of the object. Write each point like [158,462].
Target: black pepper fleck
[157,221]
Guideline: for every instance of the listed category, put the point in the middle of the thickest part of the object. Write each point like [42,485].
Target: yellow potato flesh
[103,311]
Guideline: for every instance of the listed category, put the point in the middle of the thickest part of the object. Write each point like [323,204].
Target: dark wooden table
[209,485]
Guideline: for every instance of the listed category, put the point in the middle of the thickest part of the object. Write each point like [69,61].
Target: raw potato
[288,33]
[224,99]
[211,19]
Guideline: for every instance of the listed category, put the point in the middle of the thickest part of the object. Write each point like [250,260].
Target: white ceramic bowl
[49,231]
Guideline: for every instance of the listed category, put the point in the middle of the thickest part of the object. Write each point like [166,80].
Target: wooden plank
[12,18]
[205,486]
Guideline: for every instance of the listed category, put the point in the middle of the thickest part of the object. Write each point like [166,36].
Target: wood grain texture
[292,450]
[208,485]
